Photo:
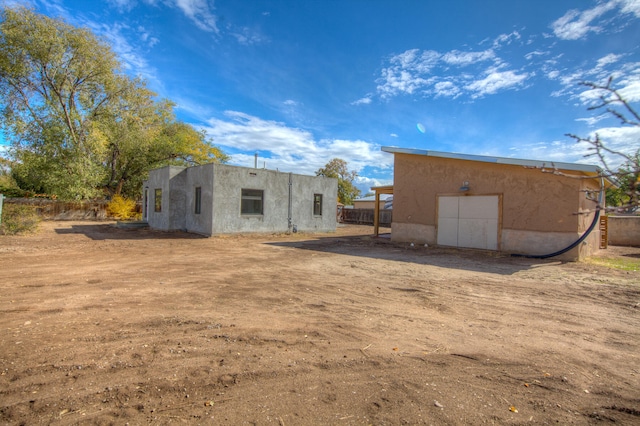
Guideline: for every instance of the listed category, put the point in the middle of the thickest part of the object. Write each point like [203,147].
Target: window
[158,200]
[198,200]
[252,201]
[317,204]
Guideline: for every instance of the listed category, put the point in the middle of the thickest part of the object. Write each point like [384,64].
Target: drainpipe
[579,240]
[289,225]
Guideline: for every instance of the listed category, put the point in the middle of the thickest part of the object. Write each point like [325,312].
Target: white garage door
[470,221]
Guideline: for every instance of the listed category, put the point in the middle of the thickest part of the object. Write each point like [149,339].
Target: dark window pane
[198,200]
[158,200]
[252,201]
[317,204]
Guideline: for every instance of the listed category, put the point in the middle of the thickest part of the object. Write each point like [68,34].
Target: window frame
[248,197]
[197,201]
[157,200]
[317,204]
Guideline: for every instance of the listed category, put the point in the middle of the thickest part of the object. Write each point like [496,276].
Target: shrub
[18,219]
[122,208]
[12,191]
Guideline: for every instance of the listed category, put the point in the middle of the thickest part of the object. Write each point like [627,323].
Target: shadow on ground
[112,232]
[452,258]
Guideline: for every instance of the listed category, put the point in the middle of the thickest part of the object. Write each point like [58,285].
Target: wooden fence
[64,210]
[365,216]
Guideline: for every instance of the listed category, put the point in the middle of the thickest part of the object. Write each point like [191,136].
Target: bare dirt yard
[102,325]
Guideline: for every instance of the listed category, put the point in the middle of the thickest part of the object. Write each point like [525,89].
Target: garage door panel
[468,221]
[478,207]
[448,207]
[478,233]
[448,232]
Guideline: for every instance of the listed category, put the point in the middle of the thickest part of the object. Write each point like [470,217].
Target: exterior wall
[413,232]
[202,177]
[221,194]
[541,212]
[163,179]
[229,182]
[624,230]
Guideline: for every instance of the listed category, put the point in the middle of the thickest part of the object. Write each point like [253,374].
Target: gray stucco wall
[221,197]
[172,196]
[228,184]
[199,177]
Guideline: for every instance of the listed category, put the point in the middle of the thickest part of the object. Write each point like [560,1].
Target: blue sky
[301,82]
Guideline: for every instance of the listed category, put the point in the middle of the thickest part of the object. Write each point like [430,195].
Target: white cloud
[247,36]
[625,80]
[496,81]
[147,38]
[396,80]
[440,75]
[529,56]
[620,139]
[608,59]
[631,6]
[199,11]
[591,121]
[575,24]
[362,101]
[456,57]
[131,57]
[631,92]
[447,89]
[364,184]
[290,149]
[123,5]
[565,151]
[506,39]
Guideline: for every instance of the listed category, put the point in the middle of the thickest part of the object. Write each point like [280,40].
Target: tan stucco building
[503,204]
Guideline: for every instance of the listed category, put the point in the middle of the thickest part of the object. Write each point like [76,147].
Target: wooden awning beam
[376,208]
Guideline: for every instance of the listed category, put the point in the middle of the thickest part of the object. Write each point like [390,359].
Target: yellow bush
[122,208]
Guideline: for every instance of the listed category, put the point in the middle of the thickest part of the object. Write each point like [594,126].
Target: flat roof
[587,168]
[383,197]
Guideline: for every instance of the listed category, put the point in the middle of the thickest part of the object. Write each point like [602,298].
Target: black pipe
[581,239]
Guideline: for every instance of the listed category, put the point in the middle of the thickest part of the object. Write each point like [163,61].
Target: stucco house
[504,204]
[218,199]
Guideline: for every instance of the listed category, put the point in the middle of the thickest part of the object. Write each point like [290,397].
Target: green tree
[627,175]
[78,126]
[337,168]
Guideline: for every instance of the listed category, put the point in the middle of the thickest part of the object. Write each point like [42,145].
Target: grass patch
[18,219]
[617,263]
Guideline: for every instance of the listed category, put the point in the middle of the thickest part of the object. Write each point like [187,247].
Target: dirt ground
[101,325]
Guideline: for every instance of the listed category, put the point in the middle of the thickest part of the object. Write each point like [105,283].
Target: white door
[469,221]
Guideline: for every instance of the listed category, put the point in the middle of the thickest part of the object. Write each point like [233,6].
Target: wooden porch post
[376,214]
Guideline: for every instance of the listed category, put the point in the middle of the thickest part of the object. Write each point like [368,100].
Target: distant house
[517,206]
[370,202]
[219,199]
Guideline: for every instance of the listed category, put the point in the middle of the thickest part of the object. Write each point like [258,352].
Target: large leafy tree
[337,168]
[78,126]
[620,165]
